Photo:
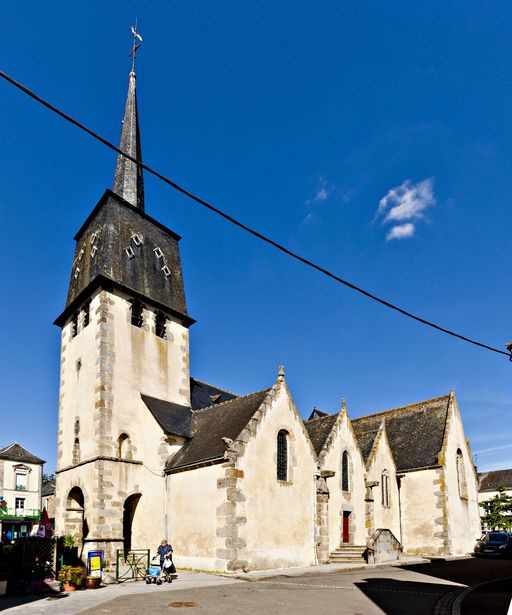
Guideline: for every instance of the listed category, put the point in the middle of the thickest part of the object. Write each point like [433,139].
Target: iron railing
[20,513]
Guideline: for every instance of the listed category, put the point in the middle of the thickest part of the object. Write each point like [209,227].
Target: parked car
[494,543]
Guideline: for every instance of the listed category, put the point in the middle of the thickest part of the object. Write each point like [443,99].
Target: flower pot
[92,583]
[69,587]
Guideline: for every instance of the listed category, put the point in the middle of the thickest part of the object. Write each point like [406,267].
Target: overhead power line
[246,228]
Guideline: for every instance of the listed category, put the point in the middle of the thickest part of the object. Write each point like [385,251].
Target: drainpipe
[166,508]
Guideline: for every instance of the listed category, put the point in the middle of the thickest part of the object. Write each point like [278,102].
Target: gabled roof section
[317,414]
[16,452]
[172,418]
[210,425]
[203,394]
[489,481]
[319,429]
[415,432]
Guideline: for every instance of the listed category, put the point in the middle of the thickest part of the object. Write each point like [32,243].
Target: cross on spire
[136,45]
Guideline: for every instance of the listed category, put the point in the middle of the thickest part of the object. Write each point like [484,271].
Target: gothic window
[87,314]
[282,455]
[123,443]
[385,488]
[461,475]
[345,486]
[137,318]
[77,426]
[160,329]
[76,451]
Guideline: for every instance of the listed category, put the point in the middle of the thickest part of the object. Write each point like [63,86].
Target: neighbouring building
[48,500]
[21,474]
[145,451]
[488,483]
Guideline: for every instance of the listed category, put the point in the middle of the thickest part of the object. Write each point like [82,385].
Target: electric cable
[246,228]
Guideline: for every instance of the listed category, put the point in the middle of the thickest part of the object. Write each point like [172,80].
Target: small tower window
[160,328]
[385,488]
[76,451]
[77,426]
[74,325]
[344,472]
[123,447]
[137,317]
[87,314]
[282,455]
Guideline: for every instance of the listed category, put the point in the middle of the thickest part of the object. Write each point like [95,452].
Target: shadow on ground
[396,597]
[468,571]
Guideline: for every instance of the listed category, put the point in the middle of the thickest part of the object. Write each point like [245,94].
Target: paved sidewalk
[76,602]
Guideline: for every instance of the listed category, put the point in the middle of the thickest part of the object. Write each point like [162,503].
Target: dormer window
[94,249]
[137,318]
[77,272]
[158,253]
[129,251]
[93,238]
[166,271]
[137,239]
[80,255]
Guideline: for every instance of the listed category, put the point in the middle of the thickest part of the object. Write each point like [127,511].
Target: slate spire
[128,178]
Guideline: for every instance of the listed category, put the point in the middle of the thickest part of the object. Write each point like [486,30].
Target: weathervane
[136,45]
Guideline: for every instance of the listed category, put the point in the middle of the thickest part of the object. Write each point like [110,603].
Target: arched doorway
[76,523]
[129,508]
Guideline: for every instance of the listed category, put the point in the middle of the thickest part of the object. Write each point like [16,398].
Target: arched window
[385,488]
[282,455]
[461,475]
[345,485]
[76,451]
[123,446]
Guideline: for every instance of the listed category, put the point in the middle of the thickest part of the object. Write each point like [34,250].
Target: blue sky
[373,138]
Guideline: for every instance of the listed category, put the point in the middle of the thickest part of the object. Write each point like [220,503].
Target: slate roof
[203,394]
[319,430]
[16,452]
[488,481]
[317,414]
[415,432]
[48,489]
[211,424]
[172,418]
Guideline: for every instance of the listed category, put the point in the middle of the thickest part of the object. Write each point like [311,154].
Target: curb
[456,610]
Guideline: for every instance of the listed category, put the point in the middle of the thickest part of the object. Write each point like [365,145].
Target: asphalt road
[405,590]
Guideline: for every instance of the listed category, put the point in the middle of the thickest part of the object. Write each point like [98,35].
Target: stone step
[348,554]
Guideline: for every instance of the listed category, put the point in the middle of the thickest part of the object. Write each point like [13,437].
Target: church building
[145,451]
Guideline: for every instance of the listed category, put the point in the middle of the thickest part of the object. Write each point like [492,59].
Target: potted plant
[71,577]
[92,582]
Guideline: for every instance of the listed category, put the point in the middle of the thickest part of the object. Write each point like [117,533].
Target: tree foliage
[48,478]
[498,511]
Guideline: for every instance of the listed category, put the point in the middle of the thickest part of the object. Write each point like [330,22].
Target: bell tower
[125,332]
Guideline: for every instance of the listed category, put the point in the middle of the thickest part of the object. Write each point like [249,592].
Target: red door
[346,533]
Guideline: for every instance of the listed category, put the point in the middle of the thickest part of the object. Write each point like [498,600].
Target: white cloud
[401,231]
[323,192]
[406,204]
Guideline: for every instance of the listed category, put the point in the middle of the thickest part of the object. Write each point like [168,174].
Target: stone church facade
[145,451]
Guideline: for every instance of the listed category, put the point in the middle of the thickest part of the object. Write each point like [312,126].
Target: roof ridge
[228,401]
[215,387]
[417,403]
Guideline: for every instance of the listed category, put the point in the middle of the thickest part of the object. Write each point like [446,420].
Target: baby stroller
[154,573]
[168,569]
